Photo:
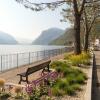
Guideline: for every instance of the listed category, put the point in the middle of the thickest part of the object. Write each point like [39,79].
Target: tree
[95,31]
[77,7]
[90,14]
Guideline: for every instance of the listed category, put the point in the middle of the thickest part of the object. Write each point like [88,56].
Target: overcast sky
[20,22]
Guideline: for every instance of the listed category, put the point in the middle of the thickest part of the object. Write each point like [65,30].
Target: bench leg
[27,79]
[48,68]
[42,73]
[20,79]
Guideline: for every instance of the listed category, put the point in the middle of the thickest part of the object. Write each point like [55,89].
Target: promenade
[96,77]
[11,75]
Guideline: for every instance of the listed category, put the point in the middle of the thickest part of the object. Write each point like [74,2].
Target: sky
[24,23]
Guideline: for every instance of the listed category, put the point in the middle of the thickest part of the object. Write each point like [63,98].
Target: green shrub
[80,79]
[83,58]
[86,55]
[76,86]
[67,55]
[71,70]
[84,75]
[71,80]
[58,69]
[67,71]
[70,83]
[76,78]
[75,59]
[86,61]
[62,83]
[69,90]
[62,87]
[59,66]
[57,92]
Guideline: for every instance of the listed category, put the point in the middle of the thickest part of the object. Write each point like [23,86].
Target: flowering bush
[36,92]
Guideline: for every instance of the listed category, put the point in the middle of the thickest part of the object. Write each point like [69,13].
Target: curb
[88,93]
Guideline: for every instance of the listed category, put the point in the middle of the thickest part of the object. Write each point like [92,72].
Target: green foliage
[4,95]
[75,59]
[70,81]
[67,55]
[57,92]
[59,66]
[80,79]
[69,90]
[35,95]
[43,90]
[38,92]
[62,83]
[19,97]
[83,58]
[76,86]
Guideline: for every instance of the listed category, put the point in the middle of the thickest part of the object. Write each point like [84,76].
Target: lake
[12,56]
[11,49]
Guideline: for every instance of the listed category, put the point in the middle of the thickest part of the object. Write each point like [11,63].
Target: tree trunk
[86,41]
[77,35]
[77,16]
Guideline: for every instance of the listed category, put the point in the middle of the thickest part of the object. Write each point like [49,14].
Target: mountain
[6,38]
[47,36]
[66,39]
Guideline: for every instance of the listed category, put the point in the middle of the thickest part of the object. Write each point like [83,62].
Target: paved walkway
[96,77]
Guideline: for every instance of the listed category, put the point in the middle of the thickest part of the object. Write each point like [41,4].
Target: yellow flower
[2,82]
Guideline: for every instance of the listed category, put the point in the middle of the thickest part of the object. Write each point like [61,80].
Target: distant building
[97,42]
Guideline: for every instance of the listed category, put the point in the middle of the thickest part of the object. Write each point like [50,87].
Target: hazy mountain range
[7,39]
[52,36]
[55,36]
[65,39]
[48,35]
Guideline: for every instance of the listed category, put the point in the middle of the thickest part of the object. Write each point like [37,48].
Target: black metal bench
[44,65]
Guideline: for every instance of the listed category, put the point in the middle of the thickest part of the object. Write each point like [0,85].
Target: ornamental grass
[77,60]
[70,81]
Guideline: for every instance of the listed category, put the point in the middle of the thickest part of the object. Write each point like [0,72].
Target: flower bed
[69,84]
[69,81]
